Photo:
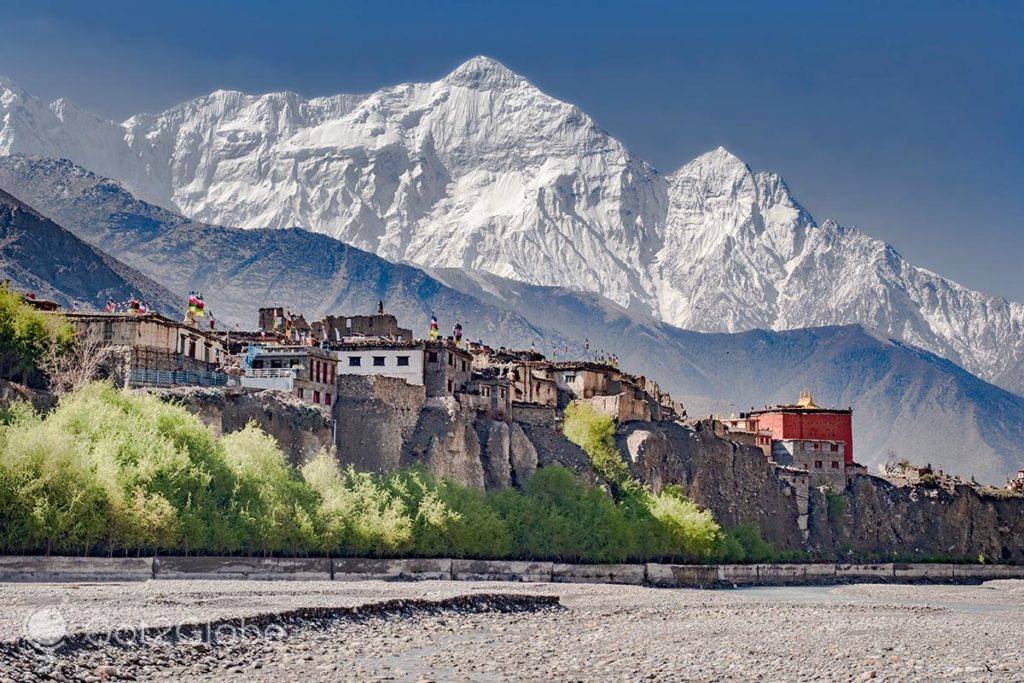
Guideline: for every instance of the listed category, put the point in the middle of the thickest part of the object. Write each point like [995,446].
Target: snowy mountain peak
[483,73]
[482,170]
[721,160]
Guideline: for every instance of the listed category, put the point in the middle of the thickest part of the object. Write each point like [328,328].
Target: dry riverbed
[439,630]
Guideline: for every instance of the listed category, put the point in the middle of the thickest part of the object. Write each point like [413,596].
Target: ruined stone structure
[376,416]
[279,320]
[822,460]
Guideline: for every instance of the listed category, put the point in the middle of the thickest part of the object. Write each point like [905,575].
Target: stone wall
[375,417]
[301,429]
[541,416]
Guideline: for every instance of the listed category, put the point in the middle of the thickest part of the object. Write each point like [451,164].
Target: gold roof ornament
[806,400]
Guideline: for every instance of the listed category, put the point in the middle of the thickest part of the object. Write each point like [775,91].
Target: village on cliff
[808,446]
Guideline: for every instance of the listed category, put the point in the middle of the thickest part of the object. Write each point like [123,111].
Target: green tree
[26,334]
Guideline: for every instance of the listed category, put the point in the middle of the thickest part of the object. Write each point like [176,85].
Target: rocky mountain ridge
[480,170]
[905,399]
[39,256]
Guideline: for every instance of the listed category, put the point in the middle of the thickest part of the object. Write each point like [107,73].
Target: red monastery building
[806,421]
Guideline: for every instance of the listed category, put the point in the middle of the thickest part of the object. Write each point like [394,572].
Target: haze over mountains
[482,171]
[906,400]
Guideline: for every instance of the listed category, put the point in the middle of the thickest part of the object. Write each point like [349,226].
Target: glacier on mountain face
[481,170]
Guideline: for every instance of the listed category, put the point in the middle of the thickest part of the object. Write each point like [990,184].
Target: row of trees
[114,472]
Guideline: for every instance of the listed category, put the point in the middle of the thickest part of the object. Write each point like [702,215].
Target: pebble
[599,633]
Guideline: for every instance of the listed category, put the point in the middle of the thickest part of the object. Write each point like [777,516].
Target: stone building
[492,392]
[806,420]
[447,368]
[307,372]
[585,379]
[630,404]
[824,461]
[147,349]
[532,384]
[371,356]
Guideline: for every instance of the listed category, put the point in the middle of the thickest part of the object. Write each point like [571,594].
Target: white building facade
[402,360]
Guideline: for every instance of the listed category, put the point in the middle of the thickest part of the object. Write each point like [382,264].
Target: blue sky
[903,118]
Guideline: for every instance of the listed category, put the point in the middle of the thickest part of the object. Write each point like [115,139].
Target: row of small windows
[817,447]
[378,361]
[818,464]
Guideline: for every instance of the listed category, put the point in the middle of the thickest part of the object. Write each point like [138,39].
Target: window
[378,361]
[451,360]
[485,391]
[449,386]
[301,393]
[316,397]
[354,361]
[192,348]
[403,361]
[327,399]
[463,366]
[834,447]
[432,357]
[275,362]
[835,464]
[817,464]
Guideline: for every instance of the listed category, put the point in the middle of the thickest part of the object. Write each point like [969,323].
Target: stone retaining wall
[55,569]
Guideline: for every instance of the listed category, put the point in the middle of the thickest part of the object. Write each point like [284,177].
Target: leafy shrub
[744,544]
[595,434]
[113,471]
[836,504]
[25,336]
[356,515]
[555,517]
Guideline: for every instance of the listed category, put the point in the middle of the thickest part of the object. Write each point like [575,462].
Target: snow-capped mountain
[481,170]
[906,400]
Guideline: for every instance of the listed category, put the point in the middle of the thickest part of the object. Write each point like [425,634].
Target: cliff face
[381,425]
[876,520]
[734,481]
[301,429]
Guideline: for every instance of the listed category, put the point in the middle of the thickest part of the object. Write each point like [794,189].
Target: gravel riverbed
[469,631]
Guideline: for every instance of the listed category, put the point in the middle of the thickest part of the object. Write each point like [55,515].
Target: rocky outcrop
[301,429]
[872,520]
[382,426]
[11,393]
[734,481]
[447,444]
[876,520]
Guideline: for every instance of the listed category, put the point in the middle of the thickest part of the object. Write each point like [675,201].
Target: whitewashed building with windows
[399,359]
